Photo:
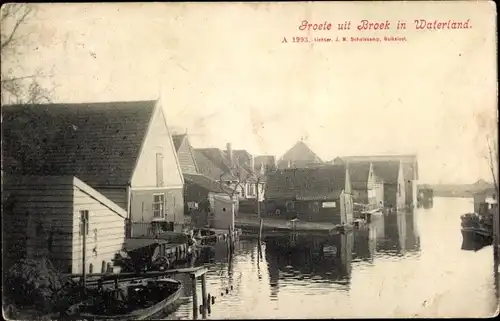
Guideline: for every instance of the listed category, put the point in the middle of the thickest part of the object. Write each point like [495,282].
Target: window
[84,224]
[159,169]
[399,189]
[159,205]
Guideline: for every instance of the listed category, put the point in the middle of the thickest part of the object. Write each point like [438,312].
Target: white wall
[106,232]
[158,140]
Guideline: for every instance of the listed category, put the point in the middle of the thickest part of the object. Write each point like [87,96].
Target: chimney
[229,150]
[252,162]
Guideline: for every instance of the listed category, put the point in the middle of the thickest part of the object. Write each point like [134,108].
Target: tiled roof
[214,162]
[405,159]
[178,139]
[207,167]
[322,183]
[241,156]
[97,142]
[358,173]
[388,171]
[301,152]
[207,183]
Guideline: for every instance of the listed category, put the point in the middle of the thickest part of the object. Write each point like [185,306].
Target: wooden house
[391,173]
[320,194]
[410,172]
[42,218]
[366,189]
[213,201]
[299,156]
[185,154]
[223,167]
[122,149]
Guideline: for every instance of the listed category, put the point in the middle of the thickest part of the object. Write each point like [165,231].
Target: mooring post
[204,294]
[195,297]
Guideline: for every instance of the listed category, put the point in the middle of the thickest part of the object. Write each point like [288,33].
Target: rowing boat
[143,299]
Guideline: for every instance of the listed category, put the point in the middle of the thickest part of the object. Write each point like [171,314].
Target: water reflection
[308,259]
[400,265]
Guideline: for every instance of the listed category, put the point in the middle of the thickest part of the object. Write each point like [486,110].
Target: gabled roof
[207,183]
[359,174]
[388,171]
[97,142]
[218,159]
[300,152]
[178,140]
[411,160]
[321,183]
[213,162]
[241,156]
[207,167]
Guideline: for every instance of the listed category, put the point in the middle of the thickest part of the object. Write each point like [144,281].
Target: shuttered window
[159,169]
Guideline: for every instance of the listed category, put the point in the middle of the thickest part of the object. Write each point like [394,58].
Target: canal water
[401,265]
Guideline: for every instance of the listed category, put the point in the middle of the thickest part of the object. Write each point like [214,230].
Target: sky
[223,75]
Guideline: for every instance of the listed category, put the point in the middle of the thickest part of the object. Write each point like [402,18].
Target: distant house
[223,167]
[264,164]
[299,156]
[366,189]
[185,154]
[199,189]
[42,218]
[410,172]
[391,173]
[320,194]
[122,149]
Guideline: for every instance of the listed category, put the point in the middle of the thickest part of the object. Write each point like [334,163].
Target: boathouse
[366,189]
[42,218]
[321,194]
[391,173]
[409,165]
[122,149]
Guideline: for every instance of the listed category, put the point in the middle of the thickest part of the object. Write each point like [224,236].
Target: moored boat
[139,300]
[477,231]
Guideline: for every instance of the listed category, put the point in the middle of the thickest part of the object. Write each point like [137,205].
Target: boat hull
[161,308]
[474,239]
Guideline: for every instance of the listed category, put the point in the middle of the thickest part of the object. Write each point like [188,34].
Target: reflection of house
[320,194]
[409,166]
[41,218]
[122,149]
[328,257]
[299,156]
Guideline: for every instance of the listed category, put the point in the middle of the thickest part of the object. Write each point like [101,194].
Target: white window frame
[161,203]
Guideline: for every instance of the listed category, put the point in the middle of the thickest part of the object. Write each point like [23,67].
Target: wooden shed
[42,218]
[321,194]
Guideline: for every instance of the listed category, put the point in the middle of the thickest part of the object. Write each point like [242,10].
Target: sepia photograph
[249,160]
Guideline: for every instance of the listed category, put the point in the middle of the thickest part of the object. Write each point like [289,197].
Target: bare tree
[18,86]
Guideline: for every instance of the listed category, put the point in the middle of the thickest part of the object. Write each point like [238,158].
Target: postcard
[250,160]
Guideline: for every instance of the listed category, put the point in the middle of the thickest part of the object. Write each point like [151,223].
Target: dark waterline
[403,265]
